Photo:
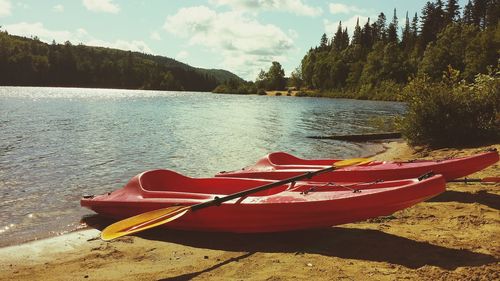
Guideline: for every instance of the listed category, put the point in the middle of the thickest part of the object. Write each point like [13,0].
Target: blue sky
[242,36]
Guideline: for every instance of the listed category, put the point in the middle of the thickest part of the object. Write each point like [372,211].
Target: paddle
[165,215]
[466,180]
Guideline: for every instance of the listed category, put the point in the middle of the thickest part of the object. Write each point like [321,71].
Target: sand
[455,236]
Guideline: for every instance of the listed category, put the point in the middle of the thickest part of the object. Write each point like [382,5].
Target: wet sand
[454,236]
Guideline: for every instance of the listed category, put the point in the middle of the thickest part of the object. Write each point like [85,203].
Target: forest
[30,62]
[378,61]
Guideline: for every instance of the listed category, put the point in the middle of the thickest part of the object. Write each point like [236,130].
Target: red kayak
[294,206]
[281,165]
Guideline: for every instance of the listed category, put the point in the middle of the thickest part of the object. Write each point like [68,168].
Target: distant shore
[454,235]
[328,94]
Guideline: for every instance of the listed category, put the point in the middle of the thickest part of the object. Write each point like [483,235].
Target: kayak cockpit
[156,182]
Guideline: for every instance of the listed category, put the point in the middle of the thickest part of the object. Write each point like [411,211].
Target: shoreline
[452,236]
[368,149]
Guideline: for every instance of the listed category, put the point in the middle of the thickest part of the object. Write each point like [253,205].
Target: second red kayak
[281,165]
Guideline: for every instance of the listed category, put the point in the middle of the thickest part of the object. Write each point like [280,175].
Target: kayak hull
[280,165]
[302,205]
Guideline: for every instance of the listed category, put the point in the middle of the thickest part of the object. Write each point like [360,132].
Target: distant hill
[221,74]
[30,62]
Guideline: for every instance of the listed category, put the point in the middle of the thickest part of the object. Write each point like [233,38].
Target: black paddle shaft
[218,201]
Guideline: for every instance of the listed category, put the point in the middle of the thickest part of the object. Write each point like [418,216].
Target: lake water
[57,144]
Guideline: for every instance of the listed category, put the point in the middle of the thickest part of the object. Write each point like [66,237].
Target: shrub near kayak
[294,206]
[281,165]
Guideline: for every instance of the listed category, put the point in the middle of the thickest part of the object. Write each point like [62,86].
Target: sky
[242,36]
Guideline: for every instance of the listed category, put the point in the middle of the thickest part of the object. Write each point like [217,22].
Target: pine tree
[366,35]
[379,28]
[452,12]
[323,43]
[345,39]
[356,36]
[428,24]
[467,14]
[406,36]
[439,16]
[479,12]
[337,38]
[392,30]
[414,26]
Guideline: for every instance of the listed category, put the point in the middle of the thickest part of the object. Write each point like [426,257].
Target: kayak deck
[281,165]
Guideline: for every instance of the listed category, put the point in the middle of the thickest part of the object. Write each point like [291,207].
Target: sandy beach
[454,236]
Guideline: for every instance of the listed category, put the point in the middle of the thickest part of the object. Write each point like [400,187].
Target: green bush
[261,92]
[452,112]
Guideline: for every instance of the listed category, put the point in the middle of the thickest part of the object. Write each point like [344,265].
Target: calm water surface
[57,144]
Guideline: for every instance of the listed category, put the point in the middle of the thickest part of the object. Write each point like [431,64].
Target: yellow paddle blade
[143,221]
[351,162]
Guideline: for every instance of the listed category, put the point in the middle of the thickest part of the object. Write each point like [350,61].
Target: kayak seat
[170,181]
[283,158]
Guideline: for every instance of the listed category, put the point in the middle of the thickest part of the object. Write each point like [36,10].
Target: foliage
[30,62]
[273,79]
[378,59]
[236,87]
[452,111]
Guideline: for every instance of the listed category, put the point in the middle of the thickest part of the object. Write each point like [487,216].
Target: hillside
[30,62]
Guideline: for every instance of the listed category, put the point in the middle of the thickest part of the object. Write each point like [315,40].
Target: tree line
[378,60]
[30,62]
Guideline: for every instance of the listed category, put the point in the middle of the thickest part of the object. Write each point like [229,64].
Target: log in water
[360,138]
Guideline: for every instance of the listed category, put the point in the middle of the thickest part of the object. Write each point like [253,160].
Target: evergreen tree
[345,39]
[428,24]
[323,43]
[392,30]
[414,26]
[380,28]
[356,36]
[467,14]
[366,35]
[452,12]
[479,12]
[337,41]
[406,35]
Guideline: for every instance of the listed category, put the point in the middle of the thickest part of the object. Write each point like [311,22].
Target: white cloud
[5,8]
[182,55]
[338,8]
[106,6]
[245,44]
[292,6]
[78,36]
[155,35]
[58,8]
[37,29]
